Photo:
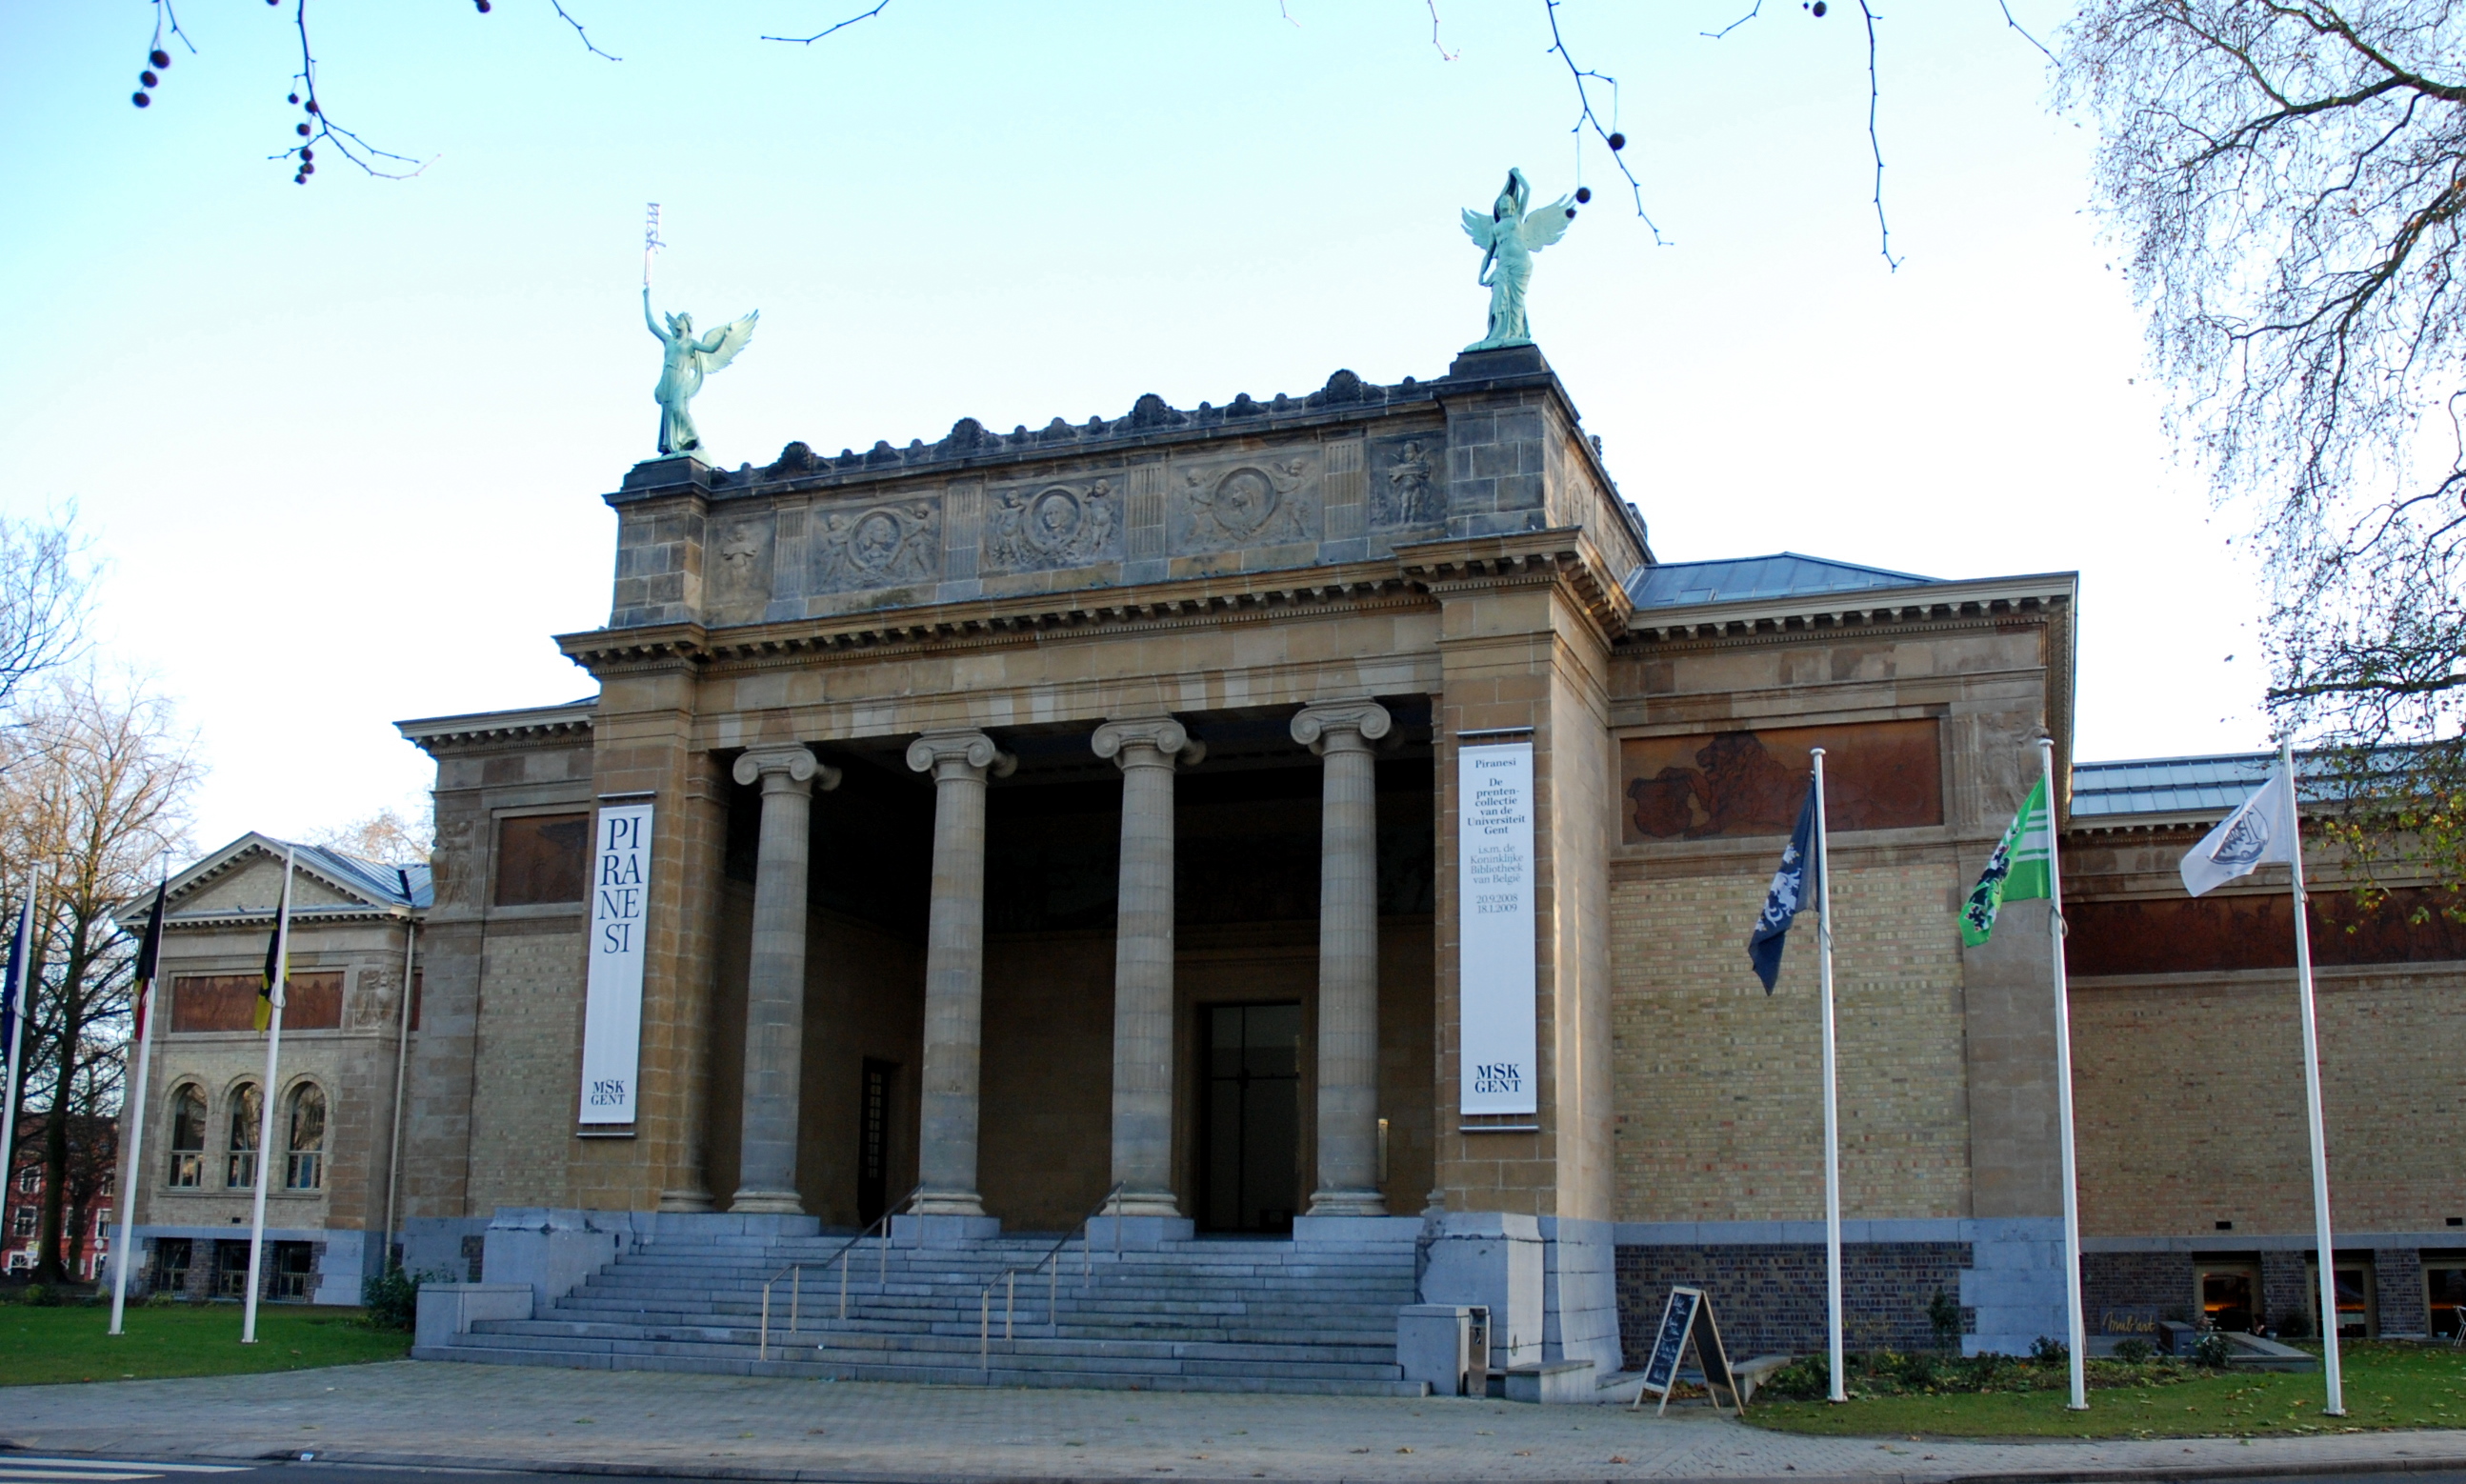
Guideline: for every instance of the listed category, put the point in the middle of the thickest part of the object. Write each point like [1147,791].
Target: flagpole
[2077,1329]
[2337,1406]
[1831,1093]
[17,1025]
[133,1111]
[266,1100]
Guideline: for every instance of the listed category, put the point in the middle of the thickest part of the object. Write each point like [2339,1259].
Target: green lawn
[2388,1385]
[69,1342]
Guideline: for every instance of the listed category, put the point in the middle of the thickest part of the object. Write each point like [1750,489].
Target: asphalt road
[28,1468]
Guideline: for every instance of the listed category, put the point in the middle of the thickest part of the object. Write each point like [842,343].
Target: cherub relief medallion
[887,546]
[1039,527]
[1260,504]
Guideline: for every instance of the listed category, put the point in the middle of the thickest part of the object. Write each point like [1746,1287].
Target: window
[102,1223]
[171,1264]
[110,1181]
[295,1270]
[2357,1306]
[541,858]
[21,1221]
[247,1107]
[2230,1296]
[304,1168]
[30,1180]
[2444,1291]
[187,1139]
[231,1270]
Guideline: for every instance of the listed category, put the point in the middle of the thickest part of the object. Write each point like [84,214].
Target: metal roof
[2183,785]
[1781,574]
[381,881]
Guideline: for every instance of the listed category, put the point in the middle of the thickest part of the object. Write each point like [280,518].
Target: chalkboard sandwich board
[1687,1319]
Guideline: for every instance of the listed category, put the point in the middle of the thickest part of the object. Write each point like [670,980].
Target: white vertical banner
[1494,929]
[612,1015]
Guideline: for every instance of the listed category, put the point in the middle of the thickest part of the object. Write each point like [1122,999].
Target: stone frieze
[883,546]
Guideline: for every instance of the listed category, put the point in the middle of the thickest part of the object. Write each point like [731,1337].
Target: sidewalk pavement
[649,1423]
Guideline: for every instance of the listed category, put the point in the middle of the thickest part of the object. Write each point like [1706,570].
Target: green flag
[2016,872]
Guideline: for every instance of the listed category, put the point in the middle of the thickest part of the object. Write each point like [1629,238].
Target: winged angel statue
[688,361]
[1509,237]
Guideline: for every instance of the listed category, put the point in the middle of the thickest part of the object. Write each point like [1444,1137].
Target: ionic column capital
[785,770]
[959,755]
[1147,742]
[1340,725]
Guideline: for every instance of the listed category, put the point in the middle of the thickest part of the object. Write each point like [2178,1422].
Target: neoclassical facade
[1327,819]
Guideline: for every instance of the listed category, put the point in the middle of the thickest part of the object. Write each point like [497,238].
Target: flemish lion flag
[269,987]
[2016,872]
[150,956]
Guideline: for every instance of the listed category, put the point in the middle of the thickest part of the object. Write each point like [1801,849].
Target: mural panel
[1885,774]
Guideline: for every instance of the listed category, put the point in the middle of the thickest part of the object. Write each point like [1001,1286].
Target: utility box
[1435,1344]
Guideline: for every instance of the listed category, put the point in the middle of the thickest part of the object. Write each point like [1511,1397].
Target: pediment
[246,876]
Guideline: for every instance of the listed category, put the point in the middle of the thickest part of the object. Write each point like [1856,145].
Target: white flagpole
[129,1166]
[1832,1095]
[17,1029]
[2078,1329]
[266,1101]
[2336,1407]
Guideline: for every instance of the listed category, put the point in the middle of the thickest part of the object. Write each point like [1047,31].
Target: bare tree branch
[1758,8]
[1585,118]
[1874,142]
[842,26]
[587,44]
[319,128]
[1445,54]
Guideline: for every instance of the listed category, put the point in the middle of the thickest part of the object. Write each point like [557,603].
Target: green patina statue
[1509,237]
[688,361]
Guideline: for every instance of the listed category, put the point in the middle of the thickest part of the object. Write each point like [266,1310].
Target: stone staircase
[1193,1315]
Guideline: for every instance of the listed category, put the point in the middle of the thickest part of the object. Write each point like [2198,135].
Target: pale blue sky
[344,445]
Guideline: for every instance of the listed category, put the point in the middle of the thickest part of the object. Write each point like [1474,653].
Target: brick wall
[523,1097]
[2191,1102]
[1720,1115]
[2117,1280]
[1769,1297]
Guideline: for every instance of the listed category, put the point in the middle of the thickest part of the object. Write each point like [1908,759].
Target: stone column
[1341,732]
[954,965]
[1146,750]
[774,990]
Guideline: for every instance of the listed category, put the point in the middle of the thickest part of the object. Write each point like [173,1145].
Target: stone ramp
[1195,1315]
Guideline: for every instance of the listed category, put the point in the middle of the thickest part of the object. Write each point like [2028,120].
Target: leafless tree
[94,800]
[45,584]
[2288,177]
[388,836]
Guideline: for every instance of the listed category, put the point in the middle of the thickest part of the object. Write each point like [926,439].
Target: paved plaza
[637,1422]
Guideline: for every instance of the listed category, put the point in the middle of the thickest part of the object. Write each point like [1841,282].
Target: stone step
[1072,1340]
[1000,1375]
[1093,1356]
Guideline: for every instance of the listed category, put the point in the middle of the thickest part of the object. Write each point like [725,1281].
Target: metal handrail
[1009,1276]
[794,1273]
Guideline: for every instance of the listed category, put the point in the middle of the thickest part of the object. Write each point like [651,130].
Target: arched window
[247,1107]
[305,1167]
[187,1139]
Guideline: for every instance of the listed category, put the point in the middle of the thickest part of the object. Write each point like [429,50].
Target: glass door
[1250,1117]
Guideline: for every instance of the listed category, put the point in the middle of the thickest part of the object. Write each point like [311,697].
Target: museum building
[1316,835]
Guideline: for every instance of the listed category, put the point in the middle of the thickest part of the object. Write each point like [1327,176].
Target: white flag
[2262,830]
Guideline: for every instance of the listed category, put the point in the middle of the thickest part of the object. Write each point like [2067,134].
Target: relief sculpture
[1040,527]
[1248,505]
[1405,493]
[740,578]
[887,546]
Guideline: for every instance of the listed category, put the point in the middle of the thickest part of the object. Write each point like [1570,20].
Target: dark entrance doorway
[873,1141]
[1249,1139]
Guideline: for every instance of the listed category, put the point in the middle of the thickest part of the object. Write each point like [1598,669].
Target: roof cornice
[1748,618]
[430,733]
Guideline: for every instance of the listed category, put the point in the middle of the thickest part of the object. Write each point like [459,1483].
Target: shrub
[1943,1318]
[392,1298]
[37,1294]
[2214,1350]
[1910,1370]
[1806,1379]
[2134,1351]
[2047,1350]
[2295,1324]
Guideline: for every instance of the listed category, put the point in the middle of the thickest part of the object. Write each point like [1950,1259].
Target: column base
[1347,1202]
[930,1229]
[768,1203]
[1145,1203]
[1137,1233]
[949,1203]
[694,1198]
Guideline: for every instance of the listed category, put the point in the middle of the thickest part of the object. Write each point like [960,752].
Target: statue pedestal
[1524,360]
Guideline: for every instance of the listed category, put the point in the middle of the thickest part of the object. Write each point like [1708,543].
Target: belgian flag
[150,956]
[269,986]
